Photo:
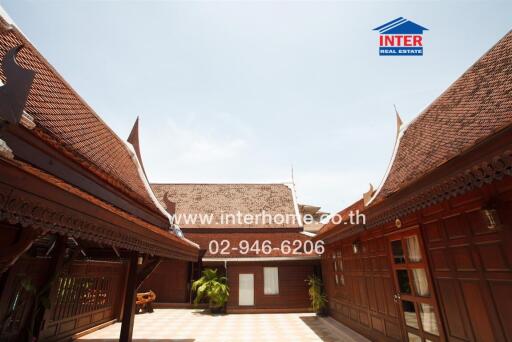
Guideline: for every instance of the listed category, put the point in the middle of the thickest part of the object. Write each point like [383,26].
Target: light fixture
[398,223]
[491,217]
[356,246]
[140,260]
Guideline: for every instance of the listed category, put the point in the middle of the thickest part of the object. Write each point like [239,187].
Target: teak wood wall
[293,291]
[470,266]
[169,281]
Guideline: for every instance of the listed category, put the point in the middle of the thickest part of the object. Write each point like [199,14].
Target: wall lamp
[356,246]
[491,217]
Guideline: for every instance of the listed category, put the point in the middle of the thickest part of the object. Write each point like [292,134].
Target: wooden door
[414,290]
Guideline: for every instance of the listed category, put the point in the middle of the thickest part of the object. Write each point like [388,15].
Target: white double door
[246,289]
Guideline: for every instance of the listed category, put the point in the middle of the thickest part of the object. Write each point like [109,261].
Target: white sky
[240,91]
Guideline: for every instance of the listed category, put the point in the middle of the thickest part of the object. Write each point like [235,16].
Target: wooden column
[191,271]
[129,299]
[49,289]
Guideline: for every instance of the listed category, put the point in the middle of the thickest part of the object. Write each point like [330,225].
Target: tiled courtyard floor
[185,325]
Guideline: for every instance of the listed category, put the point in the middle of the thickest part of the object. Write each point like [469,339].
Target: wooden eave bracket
[146,269]
[9,255]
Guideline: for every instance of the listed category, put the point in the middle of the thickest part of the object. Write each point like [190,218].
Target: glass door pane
[398,252]
[428,319]
[413,249]
[421,282]
[413,287]
[404,284]
[410,314]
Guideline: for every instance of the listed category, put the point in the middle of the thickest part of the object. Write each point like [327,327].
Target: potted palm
[316,295]
[212,287]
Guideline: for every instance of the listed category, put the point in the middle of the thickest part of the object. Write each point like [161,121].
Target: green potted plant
[316,295]
[212,287]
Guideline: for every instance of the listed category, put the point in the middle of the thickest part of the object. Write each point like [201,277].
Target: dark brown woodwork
[484,163]
[146,269]
[487,162]
[27,146]
[88,294]
[429,327]
[472,268]
[129,300]
[17,303]
[49,290]
[9,254]
[469,266]
[362,297]
[169,281]
[29,200]
[293,291]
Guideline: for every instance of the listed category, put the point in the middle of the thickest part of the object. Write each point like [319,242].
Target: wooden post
[191,271]
[50,287]
[129,300]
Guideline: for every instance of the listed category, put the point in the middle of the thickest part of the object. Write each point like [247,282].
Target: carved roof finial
[133,139]
[367,196]
[399,121]
[14,93]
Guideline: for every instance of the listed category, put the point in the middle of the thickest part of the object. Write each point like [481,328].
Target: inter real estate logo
[400,37]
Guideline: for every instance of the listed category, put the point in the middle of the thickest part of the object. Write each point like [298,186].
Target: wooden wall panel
[472,264]
[365,302]
[169,281]
[293,291]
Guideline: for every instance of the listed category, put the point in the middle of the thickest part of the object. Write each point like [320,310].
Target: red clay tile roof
[221,199]
[474,107]
[276,239]
[67,119]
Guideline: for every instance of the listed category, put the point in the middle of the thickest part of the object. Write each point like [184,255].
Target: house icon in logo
[401,37]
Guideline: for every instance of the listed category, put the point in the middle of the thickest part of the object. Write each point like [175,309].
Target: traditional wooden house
[80,228]
[250,232]
[433,259]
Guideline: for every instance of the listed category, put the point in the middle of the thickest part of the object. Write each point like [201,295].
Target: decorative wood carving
[483,173]
[46,216]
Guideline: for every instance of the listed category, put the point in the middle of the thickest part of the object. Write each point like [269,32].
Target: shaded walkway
[185,325]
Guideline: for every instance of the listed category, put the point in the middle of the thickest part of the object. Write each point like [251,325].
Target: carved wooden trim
[471,178]
[43,215]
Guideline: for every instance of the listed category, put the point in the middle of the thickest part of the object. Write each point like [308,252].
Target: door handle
[396,297]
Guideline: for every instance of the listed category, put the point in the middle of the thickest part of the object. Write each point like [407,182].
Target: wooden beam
[129,300]
[27,146]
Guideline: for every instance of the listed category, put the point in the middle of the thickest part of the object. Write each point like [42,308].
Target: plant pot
[322,313]
[216,310]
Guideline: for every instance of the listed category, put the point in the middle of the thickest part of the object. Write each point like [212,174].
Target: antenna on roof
[399,121]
